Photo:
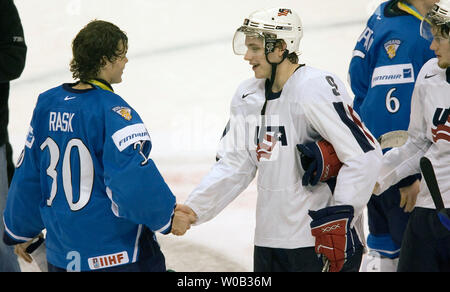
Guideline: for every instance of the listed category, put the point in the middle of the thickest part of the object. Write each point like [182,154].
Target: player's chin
[260,74]
[443,64]
[117,80]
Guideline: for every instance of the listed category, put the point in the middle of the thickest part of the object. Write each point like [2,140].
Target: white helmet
[439,17]
[271,25]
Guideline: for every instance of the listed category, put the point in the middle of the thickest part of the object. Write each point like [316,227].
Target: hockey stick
[430,179]
[326,265]
[393,139]
[38,252]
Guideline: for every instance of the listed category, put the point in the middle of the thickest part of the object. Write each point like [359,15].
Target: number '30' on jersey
[86,177]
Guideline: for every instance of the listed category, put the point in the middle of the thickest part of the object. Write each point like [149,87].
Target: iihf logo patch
[391,48]
[123,111]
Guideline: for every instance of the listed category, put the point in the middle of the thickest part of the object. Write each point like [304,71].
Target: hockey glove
[335,240]
[319,160]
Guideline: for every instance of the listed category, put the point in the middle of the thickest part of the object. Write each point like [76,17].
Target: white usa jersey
[429,135]
[312,105]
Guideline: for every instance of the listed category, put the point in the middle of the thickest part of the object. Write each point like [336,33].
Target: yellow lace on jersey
[408,9]
[101,85]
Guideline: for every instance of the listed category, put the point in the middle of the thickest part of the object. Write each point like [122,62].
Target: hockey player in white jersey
[386,60]
[426,244]
[285,108]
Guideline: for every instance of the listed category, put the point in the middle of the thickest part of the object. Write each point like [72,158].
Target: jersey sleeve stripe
[136,244]
[114,206]
[358,53]
[355,129]
[17,238]
[358,122]
[165,228]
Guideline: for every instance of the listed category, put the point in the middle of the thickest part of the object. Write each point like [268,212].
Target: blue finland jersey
[85,175]
[386,61]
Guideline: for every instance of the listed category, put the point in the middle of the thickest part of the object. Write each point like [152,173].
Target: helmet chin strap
[269,84]
[274,68]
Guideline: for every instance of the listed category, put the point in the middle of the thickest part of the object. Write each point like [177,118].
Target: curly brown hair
[95,42]
[292,57]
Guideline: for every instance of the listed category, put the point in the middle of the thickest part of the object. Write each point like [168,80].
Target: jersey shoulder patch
[124,112]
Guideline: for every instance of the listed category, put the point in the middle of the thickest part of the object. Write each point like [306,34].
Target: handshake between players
[183,218]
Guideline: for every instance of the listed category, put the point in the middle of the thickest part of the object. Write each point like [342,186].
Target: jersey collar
[410,10]
[274,95]
[448,75]
[102,84]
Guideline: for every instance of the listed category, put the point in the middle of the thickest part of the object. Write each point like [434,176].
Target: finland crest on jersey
[391,47]
[86,176]
[383,70]
[124,112]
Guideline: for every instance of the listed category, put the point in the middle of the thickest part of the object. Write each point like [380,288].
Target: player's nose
[434,45]
[247,56]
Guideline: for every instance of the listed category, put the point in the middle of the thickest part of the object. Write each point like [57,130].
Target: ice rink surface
[180,78]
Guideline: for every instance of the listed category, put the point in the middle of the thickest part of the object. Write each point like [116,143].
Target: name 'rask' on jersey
[86,176]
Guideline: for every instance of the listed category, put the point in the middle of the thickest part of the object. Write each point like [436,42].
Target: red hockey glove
[319,160]
[335,240]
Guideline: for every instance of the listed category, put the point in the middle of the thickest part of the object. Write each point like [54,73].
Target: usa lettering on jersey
[441,121]
[266,149]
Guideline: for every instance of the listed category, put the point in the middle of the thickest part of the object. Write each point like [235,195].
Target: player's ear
[282,45]
[104,62]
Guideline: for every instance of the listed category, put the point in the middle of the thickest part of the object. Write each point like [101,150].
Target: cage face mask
[436,24]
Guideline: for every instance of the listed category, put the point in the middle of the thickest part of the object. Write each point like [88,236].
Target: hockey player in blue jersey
[85,174]
[385,64]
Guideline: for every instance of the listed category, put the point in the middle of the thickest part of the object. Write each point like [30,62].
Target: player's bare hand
[183,219]
[408,196]
[21,249]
